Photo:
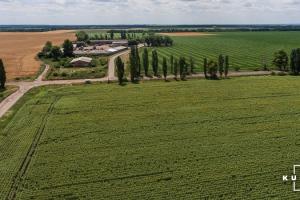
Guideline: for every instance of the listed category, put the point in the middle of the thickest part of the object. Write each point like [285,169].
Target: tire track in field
[109,179]
[30,153]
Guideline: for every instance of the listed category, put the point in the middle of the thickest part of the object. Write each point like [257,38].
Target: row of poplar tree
[180,68]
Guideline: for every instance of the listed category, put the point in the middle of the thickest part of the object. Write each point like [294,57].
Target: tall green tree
[47,48]
[205,67]
[192,65]
[68,48]
[281,60]
[182,68]
[226,66]
[172,64]
[165,68]
[176,68]
[2,75]
[146,61]
[295,61]
[155,62]
[112,35]
[120,69]
[56,52]
[221,65]
[138,62]
[213,69]
[133,64]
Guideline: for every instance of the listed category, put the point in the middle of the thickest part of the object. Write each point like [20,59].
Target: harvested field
[18,50]
[182,34]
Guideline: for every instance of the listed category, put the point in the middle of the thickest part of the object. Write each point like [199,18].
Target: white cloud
[148,11]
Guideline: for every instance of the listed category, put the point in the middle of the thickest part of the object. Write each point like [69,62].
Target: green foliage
[226,66]
[212,69]
[82,36]
[63,67]
[93,63]
[94,144]
[237,69]
[46,51]
[68,48]
[165,68]
[182,68]
[112,35]
[221,63]
[158,41]
[281,60]
[133,64]
[192,65]
[176,65]
[146,61]
[47,48]
[55,53]
[172,64]
[120,70]
[138,62]
[205,67]
[155,62]
[295,61]
[2,75]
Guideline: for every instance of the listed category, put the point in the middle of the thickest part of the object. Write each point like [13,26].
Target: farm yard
[18,50]
[63,70]
[246,50]
[154,140]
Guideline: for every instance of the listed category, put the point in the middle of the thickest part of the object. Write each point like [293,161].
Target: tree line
[56,52]
[158,41]
[285,63]
[180,67]
[82,36]
[149,39]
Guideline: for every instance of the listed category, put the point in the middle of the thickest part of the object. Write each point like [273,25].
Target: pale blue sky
[149,11]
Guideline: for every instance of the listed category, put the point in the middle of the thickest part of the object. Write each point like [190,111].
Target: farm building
[98,50]
[81,62]
[113,43]
[100,47]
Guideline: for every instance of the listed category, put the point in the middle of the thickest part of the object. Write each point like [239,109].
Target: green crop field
[247,50]
[8,91]
[197,139]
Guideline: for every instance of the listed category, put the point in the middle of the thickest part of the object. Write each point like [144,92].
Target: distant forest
[154,28]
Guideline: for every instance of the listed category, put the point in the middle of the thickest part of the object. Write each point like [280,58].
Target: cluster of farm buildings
[96,48]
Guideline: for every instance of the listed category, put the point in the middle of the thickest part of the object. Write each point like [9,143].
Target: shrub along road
[24,87]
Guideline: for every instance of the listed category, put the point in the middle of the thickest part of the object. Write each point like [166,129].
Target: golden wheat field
[18,50]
